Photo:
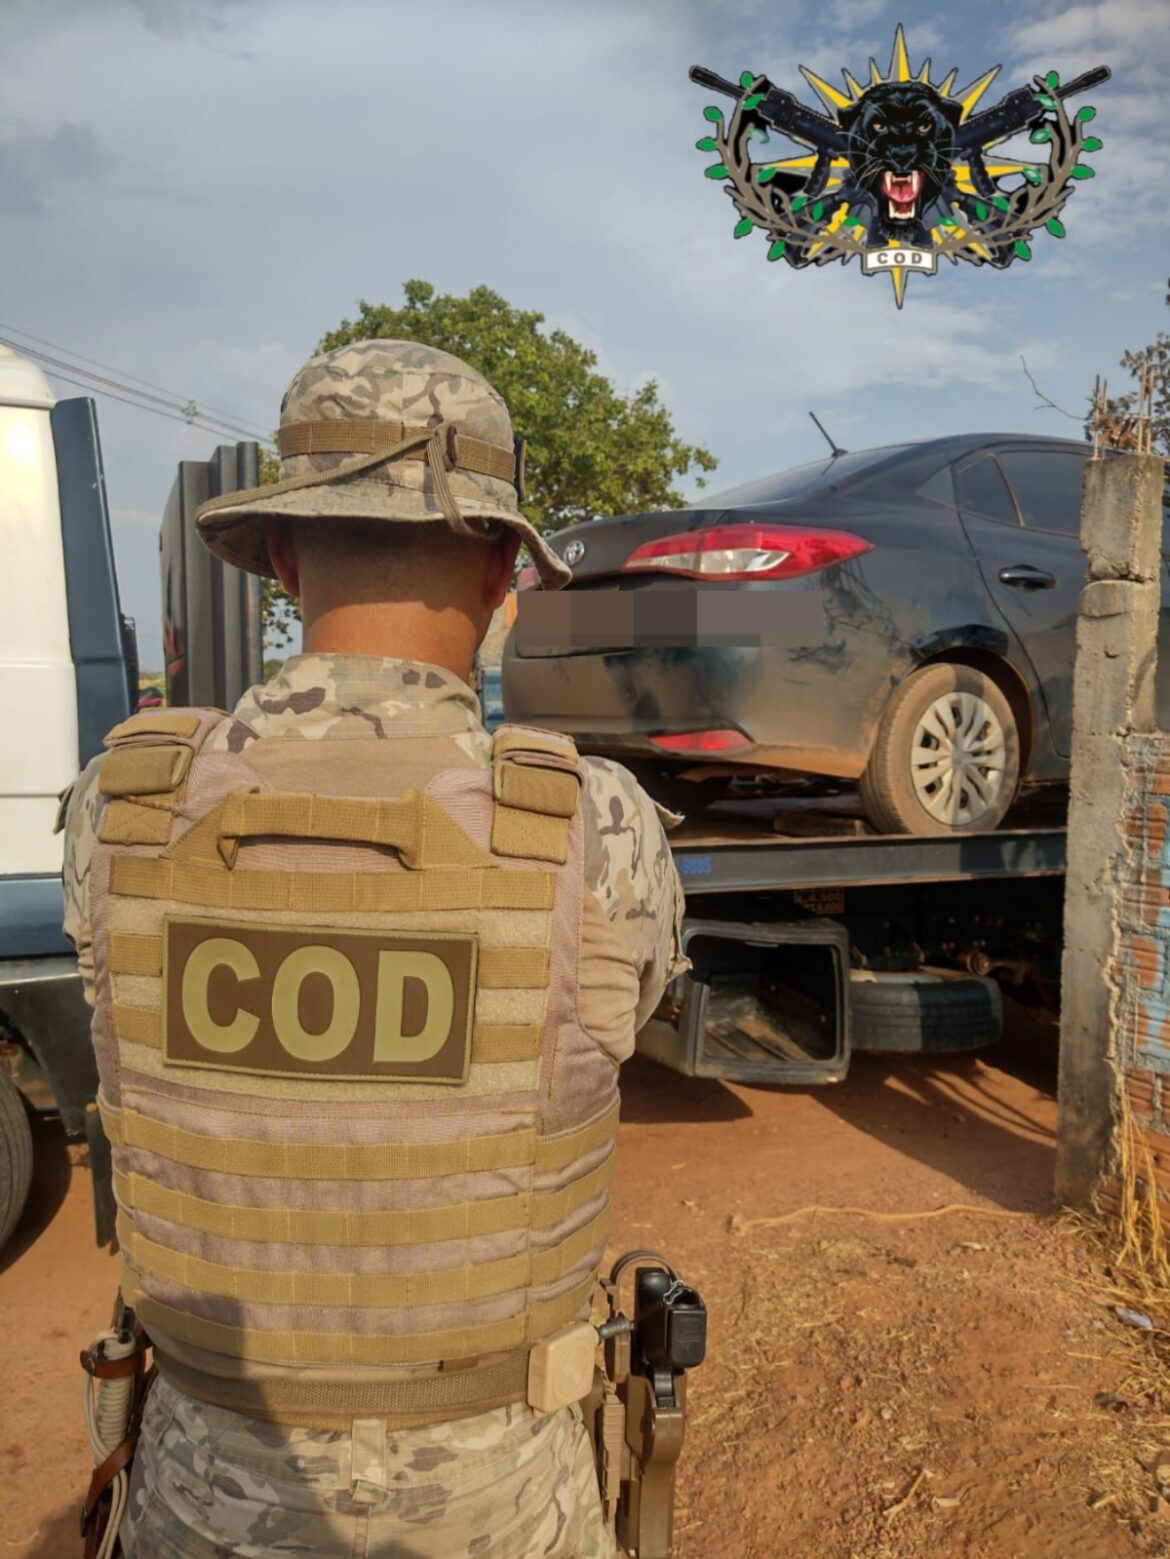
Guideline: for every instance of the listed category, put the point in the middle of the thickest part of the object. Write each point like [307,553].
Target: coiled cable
[107,1418]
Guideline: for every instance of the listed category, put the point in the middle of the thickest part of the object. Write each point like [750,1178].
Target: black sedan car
[901,617]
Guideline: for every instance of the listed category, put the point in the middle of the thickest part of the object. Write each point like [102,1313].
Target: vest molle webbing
[362,1145]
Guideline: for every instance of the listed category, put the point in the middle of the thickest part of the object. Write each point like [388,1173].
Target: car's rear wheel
[946,758]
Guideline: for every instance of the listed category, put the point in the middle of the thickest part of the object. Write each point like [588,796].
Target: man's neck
[444,639]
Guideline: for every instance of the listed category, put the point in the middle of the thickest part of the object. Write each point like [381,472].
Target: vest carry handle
[414,825]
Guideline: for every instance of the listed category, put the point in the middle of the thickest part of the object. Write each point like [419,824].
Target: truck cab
[68,673]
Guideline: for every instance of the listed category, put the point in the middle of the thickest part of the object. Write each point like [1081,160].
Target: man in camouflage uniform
[380,664]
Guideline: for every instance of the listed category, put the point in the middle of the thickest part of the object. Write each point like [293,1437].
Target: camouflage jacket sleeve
[631,872]
[80,821]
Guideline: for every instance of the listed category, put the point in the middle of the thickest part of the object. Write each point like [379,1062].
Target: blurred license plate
[571,622]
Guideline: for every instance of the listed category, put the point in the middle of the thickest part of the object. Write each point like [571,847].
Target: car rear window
[981,489]
[1047,485]
[801,479]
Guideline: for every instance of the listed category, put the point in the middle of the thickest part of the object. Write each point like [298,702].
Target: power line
[173,395]
[188,412]
[172,416]
[186,407]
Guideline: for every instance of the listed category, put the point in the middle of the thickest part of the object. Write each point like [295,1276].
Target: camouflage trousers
[209,1484]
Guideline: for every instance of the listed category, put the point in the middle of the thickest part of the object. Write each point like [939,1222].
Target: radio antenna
[828,437]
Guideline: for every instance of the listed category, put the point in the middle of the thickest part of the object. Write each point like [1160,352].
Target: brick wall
[1115,979]
[1142,967]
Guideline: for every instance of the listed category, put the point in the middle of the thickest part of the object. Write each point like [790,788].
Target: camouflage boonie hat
[385,430]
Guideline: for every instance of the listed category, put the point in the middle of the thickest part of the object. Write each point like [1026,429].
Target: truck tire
[16,1157]
[924,1012]
[946,758]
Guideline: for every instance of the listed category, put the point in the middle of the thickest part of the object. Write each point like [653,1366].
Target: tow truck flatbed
[733,856]
[820,903]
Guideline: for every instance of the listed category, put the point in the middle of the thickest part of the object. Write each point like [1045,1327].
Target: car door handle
[1025,577]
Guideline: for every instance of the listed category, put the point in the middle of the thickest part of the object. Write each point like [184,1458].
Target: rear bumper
[808,709]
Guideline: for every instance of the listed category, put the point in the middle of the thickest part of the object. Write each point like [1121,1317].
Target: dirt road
[905,1385]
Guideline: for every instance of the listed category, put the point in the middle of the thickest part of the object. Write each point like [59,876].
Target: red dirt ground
[952,1385]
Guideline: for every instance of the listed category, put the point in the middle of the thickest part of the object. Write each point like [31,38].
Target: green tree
[592,449]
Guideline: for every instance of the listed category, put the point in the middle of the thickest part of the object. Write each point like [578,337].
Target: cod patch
[305,1002]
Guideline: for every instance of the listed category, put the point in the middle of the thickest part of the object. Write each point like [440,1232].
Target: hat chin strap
[427,438]
[437,460]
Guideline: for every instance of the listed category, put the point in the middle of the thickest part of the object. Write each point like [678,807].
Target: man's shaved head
[387,560]
[415,590]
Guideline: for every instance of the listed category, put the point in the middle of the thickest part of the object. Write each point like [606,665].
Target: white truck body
[38,688]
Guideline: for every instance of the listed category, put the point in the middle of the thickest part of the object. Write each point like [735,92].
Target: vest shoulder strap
[143,773]
[536,789]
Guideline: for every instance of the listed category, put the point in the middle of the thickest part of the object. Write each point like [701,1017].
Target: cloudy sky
[195,190]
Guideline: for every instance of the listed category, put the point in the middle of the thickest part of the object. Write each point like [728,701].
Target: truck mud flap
[762,1004]
[101,1165]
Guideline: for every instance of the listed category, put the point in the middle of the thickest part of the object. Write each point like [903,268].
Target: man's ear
[501,567]
[282,554]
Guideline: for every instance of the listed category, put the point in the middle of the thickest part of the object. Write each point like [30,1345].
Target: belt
[323,1404]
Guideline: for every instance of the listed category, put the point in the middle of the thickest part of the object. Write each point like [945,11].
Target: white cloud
[244,383]
[1132,36]
[206,19]
[840,34]
[34,164]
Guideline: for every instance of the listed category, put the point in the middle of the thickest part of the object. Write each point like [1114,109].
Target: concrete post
[1113,695]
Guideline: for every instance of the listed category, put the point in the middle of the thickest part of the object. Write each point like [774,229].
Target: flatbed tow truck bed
[733,856]
[820,903]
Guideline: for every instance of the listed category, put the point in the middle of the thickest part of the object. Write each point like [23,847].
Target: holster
[654,1437]
[95,1512]
[636,1422]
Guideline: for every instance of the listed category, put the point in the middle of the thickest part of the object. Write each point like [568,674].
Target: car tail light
[731,552]
[702,741]
[528,578]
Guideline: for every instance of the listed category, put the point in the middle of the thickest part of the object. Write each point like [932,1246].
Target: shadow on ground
[57,1537]
[986,1122]
[653,1093]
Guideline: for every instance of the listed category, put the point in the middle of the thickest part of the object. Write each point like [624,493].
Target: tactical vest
[362,1143]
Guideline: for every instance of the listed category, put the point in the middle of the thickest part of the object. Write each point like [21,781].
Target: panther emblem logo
[901,170]
[900,145]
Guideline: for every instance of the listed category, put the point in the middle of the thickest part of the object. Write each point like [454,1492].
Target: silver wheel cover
[957,759]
